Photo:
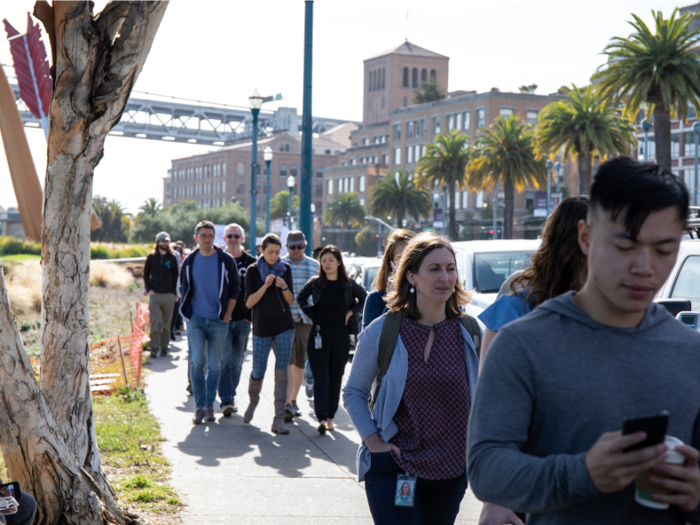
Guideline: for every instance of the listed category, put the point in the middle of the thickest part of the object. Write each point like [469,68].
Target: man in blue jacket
[209,289]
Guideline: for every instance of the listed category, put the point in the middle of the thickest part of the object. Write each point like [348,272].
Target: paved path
[232,473]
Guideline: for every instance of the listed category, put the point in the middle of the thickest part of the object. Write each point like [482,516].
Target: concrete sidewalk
[229,472]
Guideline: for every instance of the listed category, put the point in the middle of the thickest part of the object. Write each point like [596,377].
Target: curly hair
[559,265]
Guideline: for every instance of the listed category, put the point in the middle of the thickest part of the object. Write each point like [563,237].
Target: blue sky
[221,50]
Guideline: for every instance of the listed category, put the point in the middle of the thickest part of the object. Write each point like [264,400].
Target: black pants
[328,367]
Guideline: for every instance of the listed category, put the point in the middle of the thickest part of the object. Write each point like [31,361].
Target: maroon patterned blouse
[434,410]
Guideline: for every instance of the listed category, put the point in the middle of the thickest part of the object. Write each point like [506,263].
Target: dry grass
[24,287]
[109,275]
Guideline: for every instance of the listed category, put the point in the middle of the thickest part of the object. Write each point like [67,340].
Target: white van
[684,280]
[483,266]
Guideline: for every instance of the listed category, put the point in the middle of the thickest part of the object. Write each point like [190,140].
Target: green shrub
[14,246]
[99,252]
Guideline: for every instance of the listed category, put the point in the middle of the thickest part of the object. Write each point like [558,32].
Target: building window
[362,202]
[465,200]
[505,112]
[405,101]
[433,74]
[240,169]
[480,200]
[417,152]
[293,172]
[480,118]
[283,170]
[532,117]
[385,158]
[351,180]
[409,154]
[689,144]
[422,150]
[458,121]
[466,120]
[382,102]
[675,145]
[223,186]
[365,141]
[405,77]
[330,186]
[409,131]
[423,75]
[223,169]
[397,131]
[362,183]
[319,190]
[436,125]
[383,82]
[414,78]
[241,188]
[424,124]
[450,123]
[397,156]
[319,172]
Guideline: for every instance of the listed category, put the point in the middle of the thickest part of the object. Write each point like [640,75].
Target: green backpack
[390,334]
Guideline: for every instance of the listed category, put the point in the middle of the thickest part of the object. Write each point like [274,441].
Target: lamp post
[267,155]
[291,181]
[305,224]
[255,102]
[557,167]
[549,165]
[696,129]
[646,127]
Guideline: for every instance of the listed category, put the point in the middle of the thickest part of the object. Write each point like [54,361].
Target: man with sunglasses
[210,286]
[303,269]
[238,327]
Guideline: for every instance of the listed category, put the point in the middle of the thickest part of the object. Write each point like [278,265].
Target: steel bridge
[194,122]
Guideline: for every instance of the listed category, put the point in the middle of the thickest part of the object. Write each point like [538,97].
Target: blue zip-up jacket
[229,282]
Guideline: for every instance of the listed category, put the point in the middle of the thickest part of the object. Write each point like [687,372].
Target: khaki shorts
[301,341]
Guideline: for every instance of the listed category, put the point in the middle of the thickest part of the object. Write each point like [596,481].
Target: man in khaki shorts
[303,269]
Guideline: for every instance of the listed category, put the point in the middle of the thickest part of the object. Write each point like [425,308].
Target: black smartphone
[10,490]
[654,426]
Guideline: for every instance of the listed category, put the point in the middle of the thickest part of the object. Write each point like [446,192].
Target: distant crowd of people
[528,409]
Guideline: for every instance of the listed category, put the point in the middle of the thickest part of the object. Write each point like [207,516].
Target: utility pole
[305,224]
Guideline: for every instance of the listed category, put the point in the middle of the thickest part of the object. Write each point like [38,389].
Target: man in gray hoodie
[556,385]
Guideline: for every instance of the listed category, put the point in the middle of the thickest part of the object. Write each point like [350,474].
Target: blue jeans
[261,351]
[26,513]
[213,333]
[307,373]
[436,501]
[232,359]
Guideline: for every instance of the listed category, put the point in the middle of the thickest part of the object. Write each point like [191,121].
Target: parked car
[684,280]
[363,270]
[484,266]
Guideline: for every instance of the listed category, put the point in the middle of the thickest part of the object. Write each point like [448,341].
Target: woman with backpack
[375,305]
[337,303]
[423,356]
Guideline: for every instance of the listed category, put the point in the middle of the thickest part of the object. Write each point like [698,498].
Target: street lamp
[291,181]
[696,129]
[549,165]
[255,102]
[557,167]
[267,155]
[646,127]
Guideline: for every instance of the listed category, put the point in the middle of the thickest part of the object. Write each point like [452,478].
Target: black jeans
[26,513]
[436,501]
[328,366]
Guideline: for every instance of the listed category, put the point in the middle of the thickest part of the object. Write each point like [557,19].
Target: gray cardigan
[365,367]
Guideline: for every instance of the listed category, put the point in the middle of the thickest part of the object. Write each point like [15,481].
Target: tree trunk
[662,135]
[400,214]
[34,450]
[96,61]
[584,173]
[451,186]
[509,197]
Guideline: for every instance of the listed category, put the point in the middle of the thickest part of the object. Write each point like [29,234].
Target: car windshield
[492,269]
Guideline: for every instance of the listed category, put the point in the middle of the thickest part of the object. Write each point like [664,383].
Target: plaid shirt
[301,273]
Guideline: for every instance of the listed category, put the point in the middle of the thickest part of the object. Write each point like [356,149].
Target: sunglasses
[297,247]
[233,236]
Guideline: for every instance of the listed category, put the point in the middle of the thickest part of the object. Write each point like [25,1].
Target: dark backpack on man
[390,335]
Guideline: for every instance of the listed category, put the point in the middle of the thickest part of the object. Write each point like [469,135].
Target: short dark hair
[204,224]
[637,189]
[317,252]
[270,238]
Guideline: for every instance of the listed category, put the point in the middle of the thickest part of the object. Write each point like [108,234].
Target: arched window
[414,78]
[433,74]
[423,75]
[293,171]
[405,77]
[240,169]
[283,170]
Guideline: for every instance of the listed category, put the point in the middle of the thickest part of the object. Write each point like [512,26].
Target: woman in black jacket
[337,304]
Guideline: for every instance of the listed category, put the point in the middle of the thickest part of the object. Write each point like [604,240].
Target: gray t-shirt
[206,285]
[552,382]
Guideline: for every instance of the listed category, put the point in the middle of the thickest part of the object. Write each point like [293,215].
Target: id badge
[318,341]
[405,490]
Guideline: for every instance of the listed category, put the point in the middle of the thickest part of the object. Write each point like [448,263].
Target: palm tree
[396,194]
[661,70]
[279,204]
[504,154]
[586,126]
[346,211]
[444,163]
[150,207]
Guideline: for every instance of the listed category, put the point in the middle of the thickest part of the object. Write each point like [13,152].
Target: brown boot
[254,388]
[278,426]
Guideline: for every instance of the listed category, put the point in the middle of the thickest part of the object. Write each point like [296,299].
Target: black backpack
[390,335]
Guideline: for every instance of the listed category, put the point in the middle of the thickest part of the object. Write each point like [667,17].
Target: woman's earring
[412,290]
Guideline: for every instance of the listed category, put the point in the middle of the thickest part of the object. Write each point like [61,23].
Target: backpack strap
[387,343]
[471,325]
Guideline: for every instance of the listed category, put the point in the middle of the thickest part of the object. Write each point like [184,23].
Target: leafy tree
[528,89]
[345,211]
[504,153]
[150,207]
[396,194]
[444,163]
[279,205]
[116,225]
[660,69]
[430,91]
[366,241]
[586,126]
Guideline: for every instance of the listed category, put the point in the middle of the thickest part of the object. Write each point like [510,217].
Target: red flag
[31,68]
